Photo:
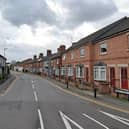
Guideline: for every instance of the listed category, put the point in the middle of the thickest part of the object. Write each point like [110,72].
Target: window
[63,70]
[79,71]
[57,71]
[128,40]
[64,56]
[57,61]
[100,73]
[82,52]
[72,55]
[70,71]
[103,48]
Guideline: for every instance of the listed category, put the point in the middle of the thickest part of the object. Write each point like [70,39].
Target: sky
[29,27]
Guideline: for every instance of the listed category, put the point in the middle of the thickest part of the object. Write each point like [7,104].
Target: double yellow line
[97,102]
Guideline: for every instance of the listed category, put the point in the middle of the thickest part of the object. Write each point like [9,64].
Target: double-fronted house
[101,58]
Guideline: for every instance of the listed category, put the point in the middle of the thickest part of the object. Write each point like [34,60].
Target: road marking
[107,105]
[33,86]
[66,120]
[35,96]
[118,118]
[95,121]
[32,81]
[40,119]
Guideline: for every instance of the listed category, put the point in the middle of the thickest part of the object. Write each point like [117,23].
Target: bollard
[67,84]
[128,97]
[95,90]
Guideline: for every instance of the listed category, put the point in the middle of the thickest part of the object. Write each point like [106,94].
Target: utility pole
[5,51]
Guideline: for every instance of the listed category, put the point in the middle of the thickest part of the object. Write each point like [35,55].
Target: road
[35,103]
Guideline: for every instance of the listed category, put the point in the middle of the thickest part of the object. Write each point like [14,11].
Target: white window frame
[70,71]
[63,70]
[57,61]
[98,73]
[82,52]
[103,45]
[57,71]
[64,56]
[78,72]
[72,55]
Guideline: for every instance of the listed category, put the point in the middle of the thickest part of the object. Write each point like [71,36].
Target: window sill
[82,56]
[127,49]
[105,53]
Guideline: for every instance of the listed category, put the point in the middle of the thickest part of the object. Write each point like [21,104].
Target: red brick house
[34,65]
[56,62]
[26,65]
[101,58]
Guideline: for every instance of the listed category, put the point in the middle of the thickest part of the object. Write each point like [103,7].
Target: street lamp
[5,50]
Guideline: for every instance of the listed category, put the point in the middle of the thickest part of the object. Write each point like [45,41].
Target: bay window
[70,71]
[63,71]
[100,73]
[57,71]
[79,71]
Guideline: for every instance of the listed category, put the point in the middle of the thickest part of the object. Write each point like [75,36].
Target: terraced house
[3,71]
[56,62]
[101,58]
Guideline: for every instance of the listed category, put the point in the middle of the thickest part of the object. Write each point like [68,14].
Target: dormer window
[103,48]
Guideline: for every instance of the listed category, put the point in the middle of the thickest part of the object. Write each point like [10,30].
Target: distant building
[2,66]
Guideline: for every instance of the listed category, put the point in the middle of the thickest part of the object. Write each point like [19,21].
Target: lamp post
[5,51]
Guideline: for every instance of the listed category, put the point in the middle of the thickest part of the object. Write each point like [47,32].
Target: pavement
[108,99]
[33,102]
[5,85]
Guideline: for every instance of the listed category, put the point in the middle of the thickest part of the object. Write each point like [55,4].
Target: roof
[117,27]
[56,55]
[3,57]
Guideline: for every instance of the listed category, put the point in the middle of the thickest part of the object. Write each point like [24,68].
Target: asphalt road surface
[35,103]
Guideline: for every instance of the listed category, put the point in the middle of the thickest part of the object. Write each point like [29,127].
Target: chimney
[49,52]
[58,49]
[40,55]
[61,48]
[34,57]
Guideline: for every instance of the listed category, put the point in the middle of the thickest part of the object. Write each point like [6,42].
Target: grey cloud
[80,11]
[30,11]
[27,11]
[20,51]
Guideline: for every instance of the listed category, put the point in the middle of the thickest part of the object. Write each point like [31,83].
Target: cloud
[28,27]
[20,12]
[64,14]
[76,12]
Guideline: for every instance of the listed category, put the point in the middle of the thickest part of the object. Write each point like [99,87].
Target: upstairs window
[103,48]
[82,52]
[64,56]
[72,55]
[128,41]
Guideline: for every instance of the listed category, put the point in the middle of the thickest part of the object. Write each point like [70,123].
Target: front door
[112,76]
[124,78]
